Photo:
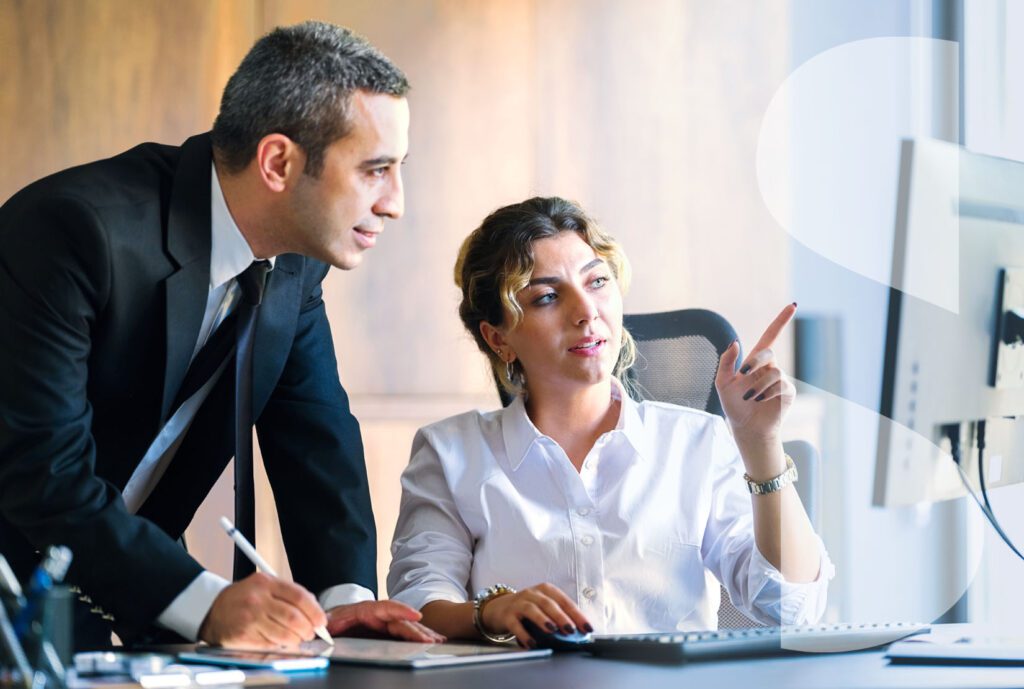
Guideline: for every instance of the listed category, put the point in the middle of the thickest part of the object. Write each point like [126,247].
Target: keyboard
[756,641]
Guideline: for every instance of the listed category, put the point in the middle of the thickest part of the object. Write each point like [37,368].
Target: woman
[575,507]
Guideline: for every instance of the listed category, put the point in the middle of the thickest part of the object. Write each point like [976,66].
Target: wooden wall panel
[84,79]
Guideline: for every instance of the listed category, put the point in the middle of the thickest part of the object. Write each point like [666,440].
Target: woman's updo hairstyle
[496,261]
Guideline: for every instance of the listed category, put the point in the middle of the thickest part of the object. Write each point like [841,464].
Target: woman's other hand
[757,396]
[544,604]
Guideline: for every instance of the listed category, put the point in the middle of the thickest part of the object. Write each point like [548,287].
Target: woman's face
[571,329]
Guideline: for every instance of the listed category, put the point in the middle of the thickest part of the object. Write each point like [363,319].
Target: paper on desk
[945,637]
[175,676]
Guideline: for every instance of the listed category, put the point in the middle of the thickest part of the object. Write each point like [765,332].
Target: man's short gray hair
[298,81]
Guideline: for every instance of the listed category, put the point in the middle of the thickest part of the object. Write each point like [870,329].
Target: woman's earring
[510,372]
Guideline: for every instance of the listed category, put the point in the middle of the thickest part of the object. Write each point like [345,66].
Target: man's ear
[495,339]
[279,161]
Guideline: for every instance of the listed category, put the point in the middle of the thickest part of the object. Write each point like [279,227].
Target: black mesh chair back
[677,357]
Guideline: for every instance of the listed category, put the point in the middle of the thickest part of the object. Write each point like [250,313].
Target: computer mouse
[557,641]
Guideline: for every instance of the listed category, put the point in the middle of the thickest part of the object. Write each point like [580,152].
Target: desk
[839,671]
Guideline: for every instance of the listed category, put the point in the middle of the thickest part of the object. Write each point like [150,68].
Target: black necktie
[219,346]
[252,282]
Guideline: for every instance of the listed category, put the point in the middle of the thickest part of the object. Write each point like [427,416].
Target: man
[125,287]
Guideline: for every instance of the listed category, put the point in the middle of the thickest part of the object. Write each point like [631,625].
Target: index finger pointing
[773,330]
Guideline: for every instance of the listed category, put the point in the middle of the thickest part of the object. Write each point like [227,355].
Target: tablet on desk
[408,654]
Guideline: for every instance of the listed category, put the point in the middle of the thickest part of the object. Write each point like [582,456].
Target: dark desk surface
[580,671]
[839,671]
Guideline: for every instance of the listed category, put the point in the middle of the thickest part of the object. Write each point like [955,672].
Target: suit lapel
[188,244]
[186,290]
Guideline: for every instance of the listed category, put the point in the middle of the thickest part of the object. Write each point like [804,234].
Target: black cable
[980,439]
[952,432]
[989,512]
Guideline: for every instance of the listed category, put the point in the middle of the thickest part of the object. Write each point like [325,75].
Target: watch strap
[773,485]
[481,599]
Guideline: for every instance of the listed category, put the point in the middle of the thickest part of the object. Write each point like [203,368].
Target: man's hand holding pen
[262,611]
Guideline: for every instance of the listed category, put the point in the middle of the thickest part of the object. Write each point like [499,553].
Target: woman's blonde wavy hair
[496,261]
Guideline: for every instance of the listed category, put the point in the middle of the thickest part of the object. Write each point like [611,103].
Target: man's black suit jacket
[104,276]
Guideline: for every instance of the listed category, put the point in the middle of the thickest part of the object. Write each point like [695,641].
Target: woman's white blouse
[659,503]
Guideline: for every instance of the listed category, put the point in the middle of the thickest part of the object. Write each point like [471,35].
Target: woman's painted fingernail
[759,397]
[569,629]
[745,370]
[748,395]
[531,643]
[587,628]
[550,626]
[794,304]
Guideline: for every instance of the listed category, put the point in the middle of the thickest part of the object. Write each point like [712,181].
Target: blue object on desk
[279,662]
[50,571]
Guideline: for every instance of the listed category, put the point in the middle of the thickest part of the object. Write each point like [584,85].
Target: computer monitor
[953,352]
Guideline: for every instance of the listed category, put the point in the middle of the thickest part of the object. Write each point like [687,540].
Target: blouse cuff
[785,602]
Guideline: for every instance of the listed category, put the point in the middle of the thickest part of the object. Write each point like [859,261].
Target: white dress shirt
[659,504]
[229,255]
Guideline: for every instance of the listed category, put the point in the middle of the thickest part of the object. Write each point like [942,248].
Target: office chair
[677,359]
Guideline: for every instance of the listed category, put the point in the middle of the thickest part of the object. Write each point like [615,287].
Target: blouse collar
[521,435]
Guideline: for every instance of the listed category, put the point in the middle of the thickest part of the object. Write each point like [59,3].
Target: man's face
[340,214]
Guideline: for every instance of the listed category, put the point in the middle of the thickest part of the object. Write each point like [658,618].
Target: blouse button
[590,593]
[587,540]
[583,511]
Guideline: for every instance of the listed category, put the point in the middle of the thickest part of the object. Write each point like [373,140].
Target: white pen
[246,547]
